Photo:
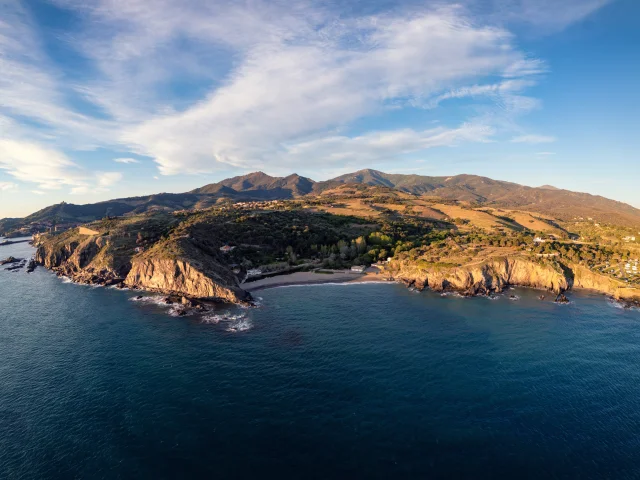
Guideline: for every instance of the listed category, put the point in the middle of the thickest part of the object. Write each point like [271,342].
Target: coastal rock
[482,279]
[94,261]
[9,260]
[31,266]
[179,277]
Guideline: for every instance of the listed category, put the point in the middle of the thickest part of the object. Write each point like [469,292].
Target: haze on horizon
[116,99]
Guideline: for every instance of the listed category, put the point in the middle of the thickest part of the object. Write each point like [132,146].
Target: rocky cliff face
[180,277]
[98,260]
[489,277]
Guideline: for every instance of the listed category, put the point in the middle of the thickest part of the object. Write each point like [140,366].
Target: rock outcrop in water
[494,275]
[172,266]
[482,279]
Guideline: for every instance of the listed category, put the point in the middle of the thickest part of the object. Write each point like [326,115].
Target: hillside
[261,185]
[469,190]
[561,204]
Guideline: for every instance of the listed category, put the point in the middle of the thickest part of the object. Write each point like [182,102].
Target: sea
[370,381]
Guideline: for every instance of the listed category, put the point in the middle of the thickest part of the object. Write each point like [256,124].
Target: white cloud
[37,192]
[31,162]
[271,80]
[126,160]
[5,186]
[379,146]
[550,15]
[107,179]
[285,91]
[533,139]
[545,153]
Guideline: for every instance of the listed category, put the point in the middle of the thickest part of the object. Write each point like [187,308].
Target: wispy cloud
[545,153]
[263,84]
[5,186]
[533,139]
[126,160]
[107,179]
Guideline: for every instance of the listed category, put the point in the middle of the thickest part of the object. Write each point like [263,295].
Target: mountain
[477,190]
[562,204]
[262,185]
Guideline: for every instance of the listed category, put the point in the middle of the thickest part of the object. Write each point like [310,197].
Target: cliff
[191,272]
[484,278]
[493,275]
[105,260]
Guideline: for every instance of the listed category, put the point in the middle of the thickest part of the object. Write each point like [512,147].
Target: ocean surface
[331,381]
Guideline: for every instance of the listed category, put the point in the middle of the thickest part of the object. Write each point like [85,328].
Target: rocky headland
[495,275]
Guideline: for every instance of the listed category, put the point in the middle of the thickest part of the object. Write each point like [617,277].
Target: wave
[153,300]
[215,318]
[240,326]
[622,306]
[453,294]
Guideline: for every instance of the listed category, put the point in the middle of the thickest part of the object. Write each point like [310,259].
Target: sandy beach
[312,278]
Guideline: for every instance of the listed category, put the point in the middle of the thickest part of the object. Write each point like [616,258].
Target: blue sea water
[332,381]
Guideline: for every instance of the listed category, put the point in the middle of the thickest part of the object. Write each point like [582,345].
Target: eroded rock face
[197,276]
[180,277]
[486,278]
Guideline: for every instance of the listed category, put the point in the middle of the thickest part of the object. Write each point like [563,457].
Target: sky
[103,99]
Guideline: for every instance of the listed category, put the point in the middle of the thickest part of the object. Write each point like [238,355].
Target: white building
[358,268]
[254,272]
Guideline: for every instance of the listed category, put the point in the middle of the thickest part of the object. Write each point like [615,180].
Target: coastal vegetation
[470,245]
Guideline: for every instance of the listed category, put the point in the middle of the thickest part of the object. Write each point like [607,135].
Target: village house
[253,272]
[226,249]
[358,269]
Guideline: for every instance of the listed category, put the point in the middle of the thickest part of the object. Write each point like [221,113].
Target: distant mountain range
[562,204]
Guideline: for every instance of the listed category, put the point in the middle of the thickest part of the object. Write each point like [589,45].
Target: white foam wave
[241,325]
[152,299]
[514,298]
[214,318]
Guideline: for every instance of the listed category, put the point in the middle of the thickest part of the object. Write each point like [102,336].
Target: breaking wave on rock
[236,322]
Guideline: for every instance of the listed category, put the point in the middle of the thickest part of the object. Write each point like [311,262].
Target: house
[358,269]
[139,249]
[629,239]
[254,272]
[538,240]
[226,249]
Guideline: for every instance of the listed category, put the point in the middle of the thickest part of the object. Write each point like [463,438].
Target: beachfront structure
[358,268]
[254,272]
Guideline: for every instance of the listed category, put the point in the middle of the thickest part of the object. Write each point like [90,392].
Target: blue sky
[115,98]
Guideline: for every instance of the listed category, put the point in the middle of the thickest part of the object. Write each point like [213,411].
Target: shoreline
[310,278]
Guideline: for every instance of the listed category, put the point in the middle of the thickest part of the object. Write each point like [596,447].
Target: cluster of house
[631,267]
[629,239]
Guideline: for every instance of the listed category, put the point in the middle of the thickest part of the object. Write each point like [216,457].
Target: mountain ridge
[562,204]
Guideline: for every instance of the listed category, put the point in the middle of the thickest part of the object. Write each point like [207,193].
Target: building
[254,272]
[139,249]
[358,268]
[226,249]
